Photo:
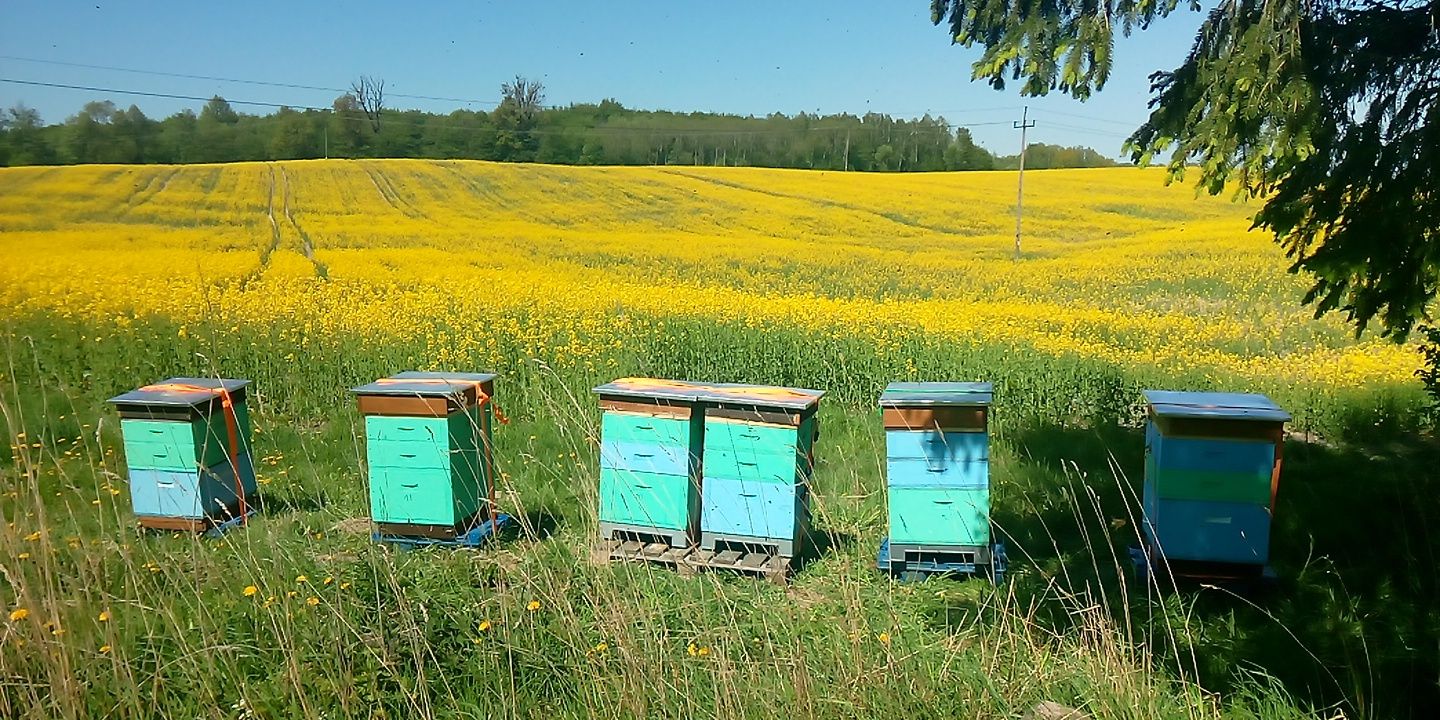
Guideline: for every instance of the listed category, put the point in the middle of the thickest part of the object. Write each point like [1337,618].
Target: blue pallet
[921,570]
[472,538]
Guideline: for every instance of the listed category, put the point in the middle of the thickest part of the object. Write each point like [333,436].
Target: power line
[1092,119]
[265,83]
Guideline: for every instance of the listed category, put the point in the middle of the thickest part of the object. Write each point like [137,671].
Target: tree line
[519,129]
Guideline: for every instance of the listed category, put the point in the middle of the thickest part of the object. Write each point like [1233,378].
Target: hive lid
[938,394]
[425,384]
[1213,405]
[718,393]
[181,392]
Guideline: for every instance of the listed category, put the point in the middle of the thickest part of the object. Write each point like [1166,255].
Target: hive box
[428,451]
[758,458]
[650,449]
[1212,468]
[937,467]
[185,472]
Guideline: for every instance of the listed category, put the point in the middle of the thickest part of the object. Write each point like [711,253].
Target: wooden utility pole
[1024,124]
[847,151]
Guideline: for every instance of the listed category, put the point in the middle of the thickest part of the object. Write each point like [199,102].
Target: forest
[519,129]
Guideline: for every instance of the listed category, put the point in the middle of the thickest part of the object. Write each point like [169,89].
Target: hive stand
[1212,470]
[184,470]
[690,560]
[428,450]
[937,470]
[650,447]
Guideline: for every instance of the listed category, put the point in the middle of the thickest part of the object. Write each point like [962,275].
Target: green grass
[1350,625]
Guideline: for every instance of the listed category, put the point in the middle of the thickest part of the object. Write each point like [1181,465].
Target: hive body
[188,458]
[1212,468]
[428,440]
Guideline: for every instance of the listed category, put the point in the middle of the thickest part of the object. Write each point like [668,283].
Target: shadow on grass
[1352,618]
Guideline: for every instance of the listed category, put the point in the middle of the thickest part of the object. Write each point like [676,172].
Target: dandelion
[302,579]
[104,616]
[329,580]
[32,537]
[291,594]
[312,601]
[250,591]
[599,648]
[344,586]
[19,614]
[884,638]
[24,556]
[533,605]
[485,625]
[104,649]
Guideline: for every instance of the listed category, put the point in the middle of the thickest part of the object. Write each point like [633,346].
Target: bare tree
[525,95]
[369,94]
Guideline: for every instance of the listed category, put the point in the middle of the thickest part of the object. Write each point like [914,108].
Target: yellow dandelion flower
[484,625]
[24,556]
[104,649]
[104,616]
[249,591]
[702,652]
[600,648]
[312,601]
[19,614]
[329,580]
[32,537]
[291,594]
[302,579]
[344,586]
[533,606]
[692,648]
[884,638]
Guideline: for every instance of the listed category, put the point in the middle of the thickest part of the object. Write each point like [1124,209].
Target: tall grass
[528,627]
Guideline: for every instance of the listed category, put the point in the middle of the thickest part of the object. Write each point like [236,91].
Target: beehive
[1212,468]
[428,440]
[937,465]
[650,448]
[187,453]
[758,458]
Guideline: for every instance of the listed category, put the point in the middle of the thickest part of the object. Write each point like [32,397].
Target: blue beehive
[937,448]
[650,447]
[758,456]
[187,449]
[1212,468]
[428,450]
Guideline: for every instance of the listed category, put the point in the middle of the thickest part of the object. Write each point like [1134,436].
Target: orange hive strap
[481,397]
[738,393]
[231,429]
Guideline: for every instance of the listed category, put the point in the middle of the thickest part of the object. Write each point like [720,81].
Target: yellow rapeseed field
[570,265]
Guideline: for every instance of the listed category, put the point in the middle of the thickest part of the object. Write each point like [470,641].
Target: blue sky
[741,57]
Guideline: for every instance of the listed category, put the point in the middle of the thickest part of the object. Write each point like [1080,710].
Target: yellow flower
[344,586]
[312,601]
[702,652]
[884,638]
[599,648]
[533,606]
[484,625]
[249,591]
[301,579]
[32,537]
[104,649]
[329,580]
[19,614]
[104,616]
[291,594]
[691,648]
[24,556]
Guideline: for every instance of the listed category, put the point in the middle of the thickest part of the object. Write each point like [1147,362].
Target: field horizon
[310,277]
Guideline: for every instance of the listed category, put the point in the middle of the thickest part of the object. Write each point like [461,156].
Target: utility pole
[847,151]
[1024,124]
[326,130]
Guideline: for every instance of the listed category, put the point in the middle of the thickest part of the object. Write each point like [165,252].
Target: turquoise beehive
[188,453]
[1212,469]
[428,439]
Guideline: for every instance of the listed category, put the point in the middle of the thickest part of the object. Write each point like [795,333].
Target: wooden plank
[938,418]
[156,522]
[438,532]
[654,550]
[651,408]
[631,547]
[727,559]
[406,406]
[754,561]
[757,415]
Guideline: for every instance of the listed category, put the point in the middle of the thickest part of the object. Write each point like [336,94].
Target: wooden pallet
[978,560]
[690,560]
[211,527]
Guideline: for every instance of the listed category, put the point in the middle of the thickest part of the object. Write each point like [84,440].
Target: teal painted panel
[646,457]
[915,472]
[457,431]
[167,493]
[646,499]
[743,437]
[937,447]
[945,516]
[416,496]
[1211,531]
[751,466]
[412,454]
[628,427]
